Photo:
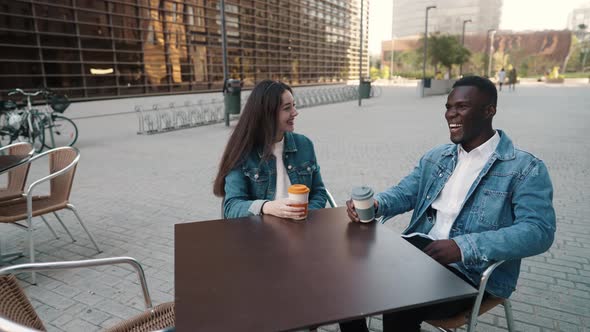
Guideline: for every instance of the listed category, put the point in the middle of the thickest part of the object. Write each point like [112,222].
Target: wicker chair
[17,313]
[17,177]
[62,167]
[480,307]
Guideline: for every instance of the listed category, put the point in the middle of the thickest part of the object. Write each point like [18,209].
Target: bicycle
[22,124]
[49,129]
[59,130]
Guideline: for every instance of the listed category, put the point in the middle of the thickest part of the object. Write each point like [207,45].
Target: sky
[516,15]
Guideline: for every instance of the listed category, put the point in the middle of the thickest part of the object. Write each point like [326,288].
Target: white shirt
[501,76]
[283,181]
[450,201]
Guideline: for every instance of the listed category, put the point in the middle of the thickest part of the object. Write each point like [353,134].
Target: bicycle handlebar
[28,94]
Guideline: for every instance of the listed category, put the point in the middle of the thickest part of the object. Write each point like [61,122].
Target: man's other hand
[443,251]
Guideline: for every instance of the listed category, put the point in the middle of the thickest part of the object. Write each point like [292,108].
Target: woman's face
[286,114]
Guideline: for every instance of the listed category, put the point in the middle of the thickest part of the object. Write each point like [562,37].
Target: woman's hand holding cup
[283,208]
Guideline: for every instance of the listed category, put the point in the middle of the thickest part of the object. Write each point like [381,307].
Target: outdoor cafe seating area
[258,273]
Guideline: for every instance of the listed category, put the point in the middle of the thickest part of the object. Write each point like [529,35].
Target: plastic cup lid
[298,189]
[361,193]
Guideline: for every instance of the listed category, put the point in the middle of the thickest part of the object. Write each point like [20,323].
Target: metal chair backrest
[15,306]
[331,200]
[60,158]
[17,177]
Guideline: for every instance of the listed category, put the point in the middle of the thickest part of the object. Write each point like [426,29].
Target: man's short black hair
[482,84]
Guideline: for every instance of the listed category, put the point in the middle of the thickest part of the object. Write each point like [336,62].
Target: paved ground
[132,189]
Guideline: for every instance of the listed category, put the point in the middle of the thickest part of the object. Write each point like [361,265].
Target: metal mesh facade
[105,49]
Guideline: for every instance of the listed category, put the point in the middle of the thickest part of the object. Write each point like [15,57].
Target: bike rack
[159,118]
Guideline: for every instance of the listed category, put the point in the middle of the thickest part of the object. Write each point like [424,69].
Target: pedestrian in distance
[481,200]
[264,156]
[512,76]
[501,77]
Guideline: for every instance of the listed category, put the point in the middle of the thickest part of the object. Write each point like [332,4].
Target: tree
[446,50]
[384,73]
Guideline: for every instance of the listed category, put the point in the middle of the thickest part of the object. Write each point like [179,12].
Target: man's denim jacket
[254,181]
[507,213]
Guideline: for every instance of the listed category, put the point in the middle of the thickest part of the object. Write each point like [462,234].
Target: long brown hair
[256,129]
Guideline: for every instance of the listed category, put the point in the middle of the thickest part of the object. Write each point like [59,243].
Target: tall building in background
[105,49]
[448,17]
[580,15]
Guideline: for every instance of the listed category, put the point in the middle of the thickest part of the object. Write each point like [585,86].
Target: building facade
[93,49]
[448,17]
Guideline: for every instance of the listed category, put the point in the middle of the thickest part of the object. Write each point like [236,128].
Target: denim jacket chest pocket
[258,181]
[305,172]
[493,202]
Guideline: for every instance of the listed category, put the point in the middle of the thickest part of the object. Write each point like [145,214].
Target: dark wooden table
[270,274]
[10,161]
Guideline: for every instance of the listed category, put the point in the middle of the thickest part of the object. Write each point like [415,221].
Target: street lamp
[425,48]
[224,54]
[361,57]
[392,42]
[491,51]
[463,44]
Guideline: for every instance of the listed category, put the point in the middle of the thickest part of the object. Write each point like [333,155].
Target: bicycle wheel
[36,136]
[60,131]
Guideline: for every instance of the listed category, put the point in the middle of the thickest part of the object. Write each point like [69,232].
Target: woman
[263,157]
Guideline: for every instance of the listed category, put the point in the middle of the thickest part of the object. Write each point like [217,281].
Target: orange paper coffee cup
[300,194]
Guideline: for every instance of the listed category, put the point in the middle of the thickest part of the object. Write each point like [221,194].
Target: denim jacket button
[289,167]
[428,197]
[440,175]
[256,176]
[309,169]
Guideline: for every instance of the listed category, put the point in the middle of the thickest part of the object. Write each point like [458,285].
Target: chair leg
[31,248]
[71,207]
[64,226]
[50,228]
[509,317]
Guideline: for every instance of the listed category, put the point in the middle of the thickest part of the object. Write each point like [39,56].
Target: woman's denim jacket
[507,213]
[254,181]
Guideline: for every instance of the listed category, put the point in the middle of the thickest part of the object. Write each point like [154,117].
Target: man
[481,199]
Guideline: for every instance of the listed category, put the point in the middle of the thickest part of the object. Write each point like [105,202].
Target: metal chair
[331,200]
[17,177]
[18,315]
[62,167]
[480,307]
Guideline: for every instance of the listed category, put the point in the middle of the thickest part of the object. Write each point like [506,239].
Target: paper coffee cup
[300,194]
[362,197]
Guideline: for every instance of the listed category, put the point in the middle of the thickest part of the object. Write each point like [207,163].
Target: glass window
[190,15]
[101,79]
[49,26]
[16,22]
[48,40]
[95,43]
[20,53]
[64,81]
[19,68]
[60,55]
[62,68]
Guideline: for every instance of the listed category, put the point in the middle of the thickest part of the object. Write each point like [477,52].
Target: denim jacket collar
[504,150]
[290,145]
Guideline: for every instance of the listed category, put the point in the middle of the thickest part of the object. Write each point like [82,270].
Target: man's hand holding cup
[362,206]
